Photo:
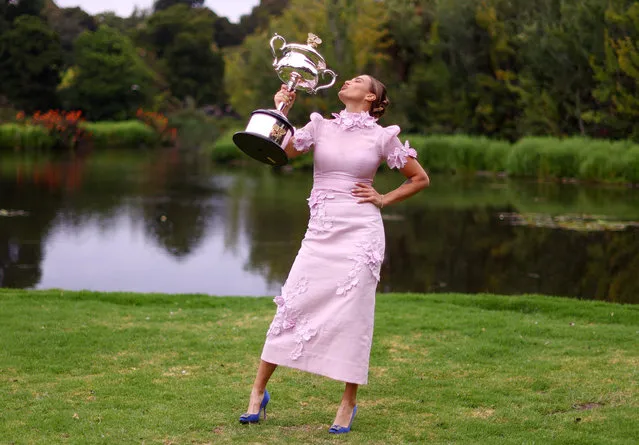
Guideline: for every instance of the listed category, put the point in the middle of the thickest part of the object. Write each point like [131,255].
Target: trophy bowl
[268,132]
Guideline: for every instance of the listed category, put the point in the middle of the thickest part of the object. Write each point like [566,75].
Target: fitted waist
[337,182]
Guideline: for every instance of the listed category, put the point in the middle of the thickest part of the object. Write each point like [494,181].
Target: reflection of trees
[472,251]
[99,189]
[179,224]
[468,249]
[181,211]
[275,219]
[21,237]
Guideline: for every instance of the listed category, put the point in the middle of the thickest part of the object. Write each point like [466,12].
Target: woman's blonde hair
[378,106]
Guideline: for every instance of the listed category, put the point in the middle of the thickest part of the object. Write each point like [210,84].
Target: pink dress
[325,313]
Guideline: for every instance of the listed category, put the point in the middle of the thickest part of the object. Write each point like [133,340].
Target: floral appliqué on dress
[370,254]
[302,140]
[399,156]
[348,121]
[288,318]
[319,221]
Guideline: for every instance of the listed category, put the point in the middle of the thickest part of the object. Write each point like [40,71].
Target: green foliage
[581,158]
[126,25]
[125,134]
[69,23]
[618,75]
[196,128]
[30,63]
[500,68]
[181,37]
[224,150]
[25,137]
[110,80]
[195,70]
[11,10]
[161,5]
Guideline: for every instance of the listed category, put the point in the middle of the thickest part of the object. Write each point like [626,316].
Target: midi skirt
[325,313]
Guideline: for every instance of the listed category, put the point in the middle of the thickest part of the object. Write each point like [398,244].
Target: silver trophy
[300,67]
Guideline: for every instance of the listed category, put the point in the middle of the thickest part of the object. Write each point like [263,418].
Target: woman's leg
[345,410]
[264,373]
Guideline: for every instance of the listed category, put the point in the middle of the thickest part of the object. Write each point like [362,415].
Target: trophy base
[260,148]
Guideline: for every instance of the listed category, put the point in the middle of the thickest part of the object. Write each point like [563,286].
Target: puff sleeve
[395,154]
[305,137]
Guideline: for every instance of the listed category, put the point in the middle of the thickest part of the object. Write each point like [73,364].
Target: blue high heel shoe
[255,418]
[336,429]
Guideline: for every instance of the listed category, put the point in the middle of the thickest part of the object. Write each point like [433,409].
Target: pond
[170,221]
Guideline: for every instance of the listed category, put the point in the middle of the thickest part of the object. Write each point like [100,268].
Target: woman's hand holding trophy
[286,96]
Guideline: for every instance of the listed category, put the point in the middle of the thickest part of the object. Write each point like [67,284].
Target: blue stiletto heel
[255,418]
[336,429]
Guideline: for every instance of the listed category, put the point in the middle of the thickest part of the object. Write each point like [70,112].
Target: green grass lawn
[120,368]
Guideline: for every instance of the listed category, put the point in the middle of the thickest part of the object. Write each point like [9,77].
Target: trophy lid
[309,49]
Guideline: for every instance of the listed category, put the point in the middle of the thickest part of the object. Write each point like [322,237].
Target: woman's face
[358,89]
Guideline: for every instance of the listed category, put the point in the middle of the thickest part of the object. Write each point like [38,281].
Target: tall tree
[182,38]
[69,23]
[195,69]
[30,64]
[161,5]
[109,80]
[617,91]
[12,9]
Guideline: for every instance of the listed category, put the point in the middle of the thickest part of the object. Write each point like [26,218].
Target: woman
[324,319]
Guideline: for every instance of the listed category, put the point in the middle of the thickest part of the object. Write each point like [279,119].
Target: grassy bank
[131,368]
[131,134]
[536,157]
[17,136]
[128,134]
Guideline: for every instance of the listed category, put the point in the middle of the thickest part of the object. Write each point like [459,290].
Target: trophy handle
[328,85]
[273,50]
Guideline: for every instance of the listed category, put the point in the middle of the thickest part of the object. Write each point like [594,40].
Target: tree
[161,5]
[261,15]
[109,80]
[227,33]
[496,107]
[125,25]
[181,37]
[11,10]
[617,77]
[195,70]
[69,23]
[30,64]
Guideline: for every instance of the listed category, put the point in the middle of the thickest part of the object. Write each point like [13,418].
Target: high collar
[348,120]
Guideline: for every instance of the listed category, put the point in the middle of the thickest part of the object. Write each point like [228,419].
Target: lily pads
[10,213]
[582,223]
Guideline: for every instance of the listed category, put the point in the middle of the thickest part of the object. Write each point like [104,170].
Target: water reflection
[171,222]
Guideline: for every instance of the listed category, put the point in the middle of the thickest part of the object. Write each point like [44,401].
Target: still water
[171,221]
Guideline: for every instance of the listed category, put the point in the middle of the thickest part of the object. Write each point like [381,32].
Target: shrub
[224,149]
[21,137]
[130,133]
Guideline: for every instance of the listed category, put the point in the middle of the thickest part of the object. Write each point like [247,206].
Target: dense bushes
[131,134]
[14,136]
[540,157]
[67,129]
[128,134]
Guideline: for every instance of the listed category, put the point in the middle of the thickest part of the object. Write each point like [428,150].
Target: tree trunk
[582,129]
